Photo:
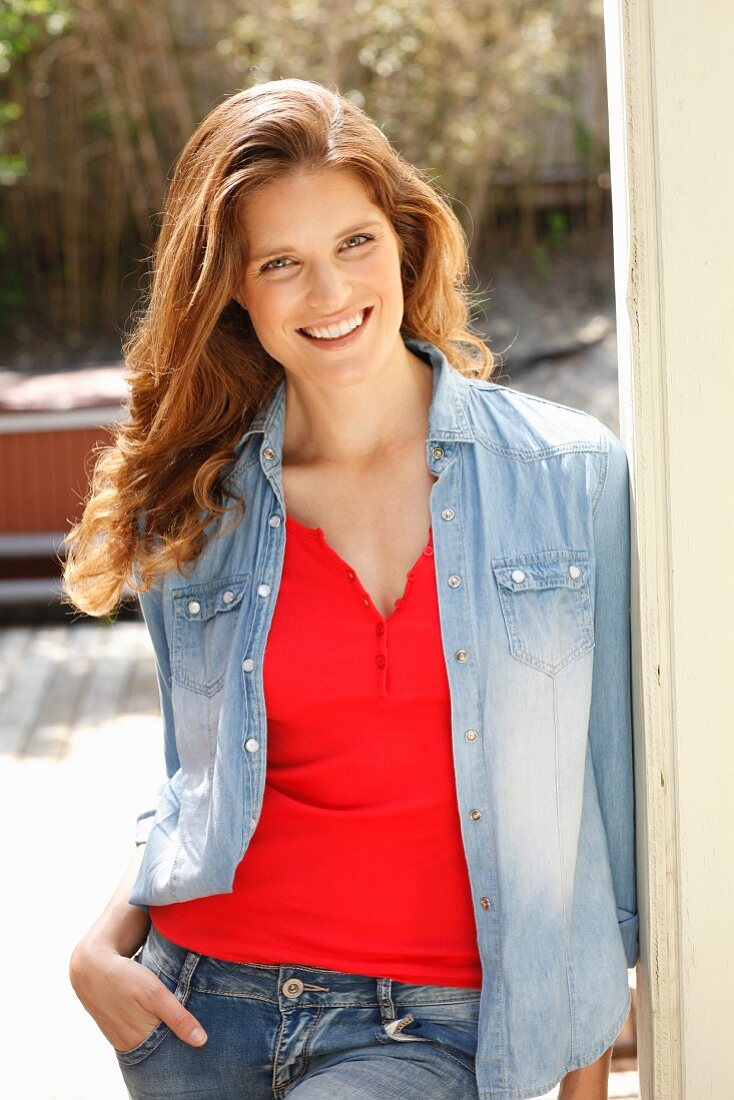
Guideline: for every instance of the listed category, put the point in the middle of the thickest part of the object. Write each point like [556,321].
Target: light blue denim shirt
[531,525]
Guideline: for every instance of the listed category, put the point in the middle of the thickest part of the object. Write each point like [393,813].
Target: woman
[404,586]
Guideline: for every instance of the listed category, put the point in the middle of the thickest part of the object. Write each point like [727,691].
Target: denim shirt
[531,525]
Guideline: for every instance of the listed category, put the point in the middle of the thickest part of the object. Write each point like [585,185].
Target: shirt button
[448,513]
[268,453]
[380,628]
[470,735]
[350,574]
[475,815]
[274,521]
[194,607]
[248,664]
[485,903]
[263,590]
[461,655]
[380,660]
[518,576]
[438,452]
[292,988]
[574,571]
[228,596]
[252,745]
[366,603]
[454,581]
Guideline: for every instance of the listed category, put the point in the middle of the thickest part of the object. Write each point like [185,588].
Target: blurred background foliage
[501,102]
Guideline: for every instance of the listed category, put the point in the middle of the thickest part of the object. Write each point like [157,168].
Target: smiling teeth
[332,331]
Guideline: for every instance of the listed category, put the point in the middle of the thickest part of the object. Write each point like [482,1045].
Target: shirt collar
[447,421]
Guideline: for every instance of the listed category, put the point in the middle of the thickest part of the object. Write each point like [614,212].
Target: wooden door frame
[672,163]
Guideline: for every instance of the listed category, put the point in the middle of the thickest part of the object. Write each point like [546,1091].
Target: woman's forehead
[307,202]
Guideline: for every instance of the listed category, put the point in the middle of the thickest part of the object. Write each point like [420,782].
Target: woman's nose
[328,288]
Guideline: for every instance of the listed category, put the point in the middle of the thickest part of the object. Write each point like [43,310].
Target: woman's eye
[268,265]
[359,236]
[280,260]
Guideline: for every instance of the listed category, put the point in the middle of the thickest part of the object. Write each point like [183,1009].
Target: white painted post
[671,105]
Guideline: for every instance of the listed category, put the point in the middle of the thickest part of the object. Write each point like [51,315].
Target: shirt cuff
[629,927]
[143,826]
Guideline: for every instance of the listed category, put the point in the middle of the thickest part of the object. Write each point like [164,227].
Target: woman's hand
[589,1082]
[125,999]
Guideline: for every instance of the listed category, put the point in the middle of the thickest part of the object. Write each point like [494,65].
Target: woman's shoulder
[525,424]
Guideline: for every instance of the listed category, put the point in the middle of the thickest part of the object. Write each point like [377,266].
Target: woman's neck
[351,425]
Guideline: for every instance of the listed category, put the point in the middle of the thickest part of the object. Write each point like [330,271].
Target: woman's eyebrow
[293,248]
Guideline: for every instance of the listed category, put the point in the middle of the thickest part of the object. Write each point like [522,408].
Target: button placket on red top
[381,656]
[380,630]
[381,624]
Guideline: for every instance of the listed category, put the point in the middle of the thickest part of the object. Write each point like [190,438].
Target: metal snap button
[292,988]
[461,655]
[194,607]
[574,571]
[248,664]
[448,513]
[228,597]
[263,590]
[470,735]
[518,576]
[252,745]
[454,581]
[438,452]
[274,521]
[475,815]
[485,903]
[268,453]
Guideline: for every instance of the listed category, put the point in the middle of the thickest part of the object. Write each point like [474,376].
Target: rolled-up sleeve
[610,726]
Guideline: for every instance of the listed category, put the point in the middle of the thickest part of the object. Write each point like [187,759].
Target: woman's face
[321,253]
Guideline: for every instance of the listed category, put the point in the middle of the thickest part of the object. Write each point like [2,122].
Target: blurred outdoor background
[502,103]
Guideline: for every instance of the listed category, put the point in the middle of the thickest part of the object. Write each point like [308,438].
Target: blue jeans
[303,1033]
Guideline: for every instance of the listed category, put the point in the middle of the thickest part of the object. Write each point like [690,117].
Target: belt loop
[384,998]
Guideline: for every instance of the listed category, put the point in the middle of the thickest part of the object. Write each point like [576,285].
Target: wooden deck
[80,753]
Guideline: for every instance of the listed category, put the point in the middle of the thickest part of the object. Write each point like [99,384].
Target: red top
[357,862]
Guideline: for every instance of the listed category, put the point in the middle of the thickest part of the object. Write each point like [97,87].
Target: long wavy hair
[197,372]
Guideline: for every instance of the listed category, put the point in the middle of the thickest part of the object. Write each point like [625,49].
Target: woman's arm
[121,926]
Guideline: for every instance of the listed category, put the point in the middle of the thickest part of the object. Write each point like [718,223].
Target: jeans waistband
[287,982]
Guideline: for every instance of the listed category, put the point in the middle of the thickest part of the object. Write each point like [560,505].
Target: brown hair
[196,370]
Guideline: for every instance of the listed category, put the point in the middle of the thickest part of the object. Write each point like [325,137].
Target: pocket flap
[524,573]
[201,601]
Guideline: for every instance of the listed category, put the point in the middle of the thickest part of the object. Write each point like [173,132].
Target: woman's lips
[339,341]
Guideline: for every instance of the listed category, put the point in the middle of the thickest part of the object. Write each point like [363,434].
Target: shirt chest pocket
[546,604]
[204,620]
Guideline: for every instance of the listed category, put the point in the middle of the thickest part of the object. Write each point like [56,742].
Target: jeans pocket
[452,1028]
[451,1023]
[395,1031]
[180,986]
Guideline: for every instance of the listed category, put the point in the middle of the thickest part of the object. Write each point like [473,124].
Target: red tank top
[357,862]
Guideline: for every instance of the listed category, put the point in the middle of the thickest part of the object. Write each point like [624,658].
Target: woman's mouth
[330,337]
